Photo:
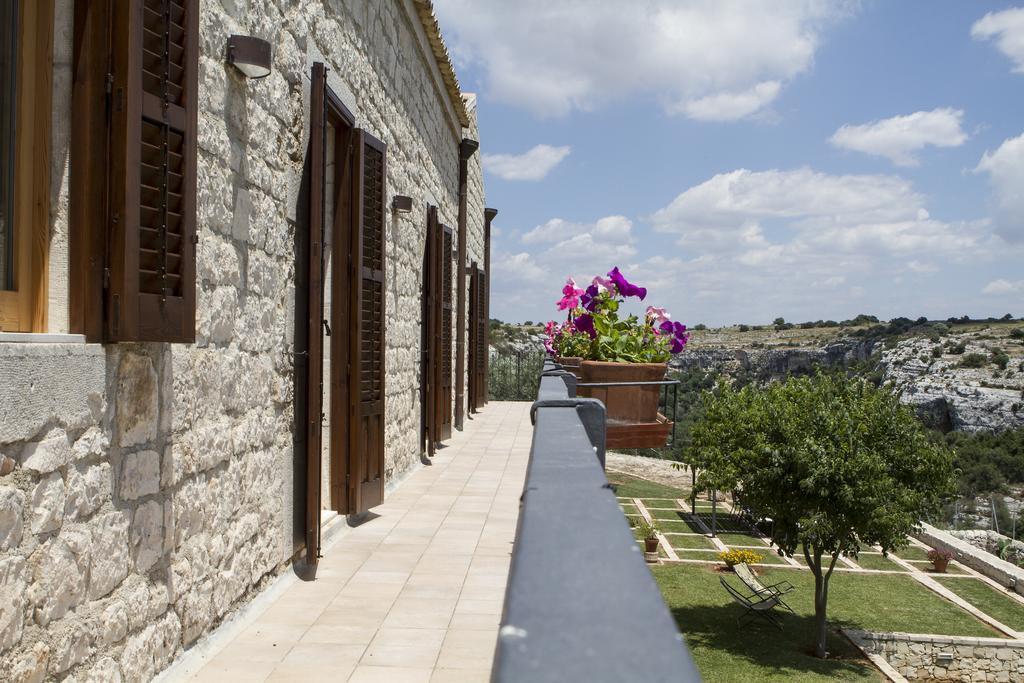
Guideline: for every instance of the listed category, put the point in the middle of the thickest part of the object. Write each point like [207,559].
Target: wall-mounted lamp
[401,204]
[250,55]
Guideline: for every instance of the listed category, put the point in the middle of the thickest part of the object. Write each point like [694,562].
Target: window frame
[24,309]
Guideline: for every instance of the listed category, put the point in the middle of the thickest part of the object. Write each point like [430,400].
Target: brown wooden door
[366,414]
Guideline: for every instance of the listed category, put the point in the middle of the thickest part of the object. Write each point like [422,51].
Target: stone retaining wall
[946,658]
[1004,573]
[147,490]
[989,540]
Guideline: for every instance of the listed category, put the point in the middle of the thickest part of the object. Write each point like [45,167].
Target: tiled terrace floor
[414,594]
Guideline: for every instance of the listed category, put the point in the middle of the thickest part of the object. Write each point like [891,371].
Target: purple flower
[585,323]
[624,286]
[589,298]
[677,345]
[667,327]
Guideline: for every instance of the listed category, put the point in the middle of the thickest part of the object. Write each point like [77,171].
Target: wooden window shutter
[431,345]
[447,314]
[472,348]
[368,394]
[150,272]
[479,369]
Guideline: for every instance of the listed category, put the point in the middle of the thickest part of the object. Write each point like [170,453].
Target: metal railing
[513,374]
[581,605]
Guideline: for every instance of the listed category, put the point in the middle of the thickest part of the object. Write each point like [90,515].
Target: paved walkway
[412,595]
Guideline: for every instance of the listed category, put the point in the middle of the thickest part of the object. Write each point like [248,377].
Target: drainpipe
[489,215]
[466,149]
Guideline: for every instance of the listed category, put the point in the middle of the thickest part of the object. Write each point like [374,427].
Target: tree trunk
[820,598]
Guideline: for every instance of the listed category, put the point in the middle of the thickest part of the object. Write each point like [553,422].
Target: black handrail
[581,604]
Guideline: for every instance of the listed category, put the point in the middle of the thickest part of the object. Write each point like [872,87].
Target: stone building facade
[147,490]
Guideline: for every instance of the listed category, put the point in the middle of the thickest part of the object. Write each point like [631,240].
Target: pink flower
[657,315]
[604,283]
[571,296]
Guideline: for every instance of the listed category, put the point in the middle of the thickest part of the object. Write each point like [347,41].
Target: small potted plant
[940,559]
[649,532]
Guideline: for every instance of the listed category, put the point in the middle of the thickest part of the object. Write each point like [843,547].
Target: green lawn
[911,552]
[868,561]
[988,600]
[691,542]
[759,652]
[632,487]
[672,515]
[740,539]
[678,525]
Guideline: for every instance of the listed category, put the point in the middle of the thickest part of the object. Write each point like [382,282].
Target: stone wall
[146,490]
[1006,574]
[989,541]
[946,658]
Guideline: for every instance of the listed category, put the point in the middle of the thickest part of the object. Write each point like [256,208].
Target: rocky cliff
[931,374]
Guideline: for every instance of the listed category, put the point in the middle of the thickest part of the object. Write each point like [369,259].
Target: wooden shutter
[367,356]
[473,327]
[447,313]
[151,249]
[310,283]
[480,371]
[431,325]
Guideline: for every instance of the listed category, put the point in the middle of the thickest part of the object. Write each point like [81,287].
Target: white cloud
[534,164]
[919,267]
[727,106]
[615,229]
[782,237]
[1005,169]
[1006,28]
[709,59]
[998,287]
[899,137]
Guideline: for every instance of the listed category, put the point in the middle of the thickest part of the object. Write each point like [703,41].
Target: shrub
[974,360]
[744,328]
[957,349]
[700,326]
[1000,359]
[1017,333]
[647,529]
[937,352]
[739,556]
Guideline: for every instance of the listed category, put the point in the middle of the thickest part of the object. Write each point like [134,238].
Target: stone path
[414,594]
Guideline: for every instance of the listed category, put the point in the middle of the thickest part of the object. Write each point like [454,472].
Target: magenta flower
[570,296]
[624,287]
[585,323]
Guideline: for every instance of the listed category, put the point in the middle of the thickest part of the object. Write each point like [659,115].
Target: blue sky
[746,160]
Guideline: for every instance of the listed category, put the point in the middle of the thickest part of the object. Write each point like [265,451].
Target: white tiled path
[414,594]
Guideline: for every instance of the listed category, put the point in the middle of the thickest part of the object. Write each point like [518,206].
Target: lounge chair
[750,580]
[754,606]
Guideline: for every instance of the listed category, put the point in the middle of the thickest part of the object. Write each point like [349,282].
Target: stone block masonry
[919,657]
[146,490]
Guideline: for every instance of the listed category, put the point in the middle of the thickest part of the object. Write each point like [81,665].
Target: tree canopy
[835,462]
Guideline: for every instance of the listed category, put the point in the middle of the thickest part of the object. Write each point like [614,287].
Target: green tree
[836,463]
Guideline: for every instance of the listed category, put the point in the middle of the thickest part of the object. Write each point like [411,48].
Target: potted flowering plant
[566,344]
[617,350]
[940,559]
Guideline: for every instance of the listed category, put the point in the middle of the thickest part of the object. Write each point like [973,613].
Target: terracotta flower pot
[651,545]
[625,404]
[570,363]
[940,564]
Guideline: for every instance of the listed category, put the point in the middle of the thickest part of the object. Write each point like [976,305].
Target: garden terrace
[871,592]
